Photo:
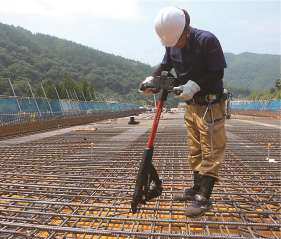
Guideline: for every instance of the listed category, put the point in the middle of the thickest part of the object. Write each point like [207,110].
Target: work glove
[148,81]
[188,90]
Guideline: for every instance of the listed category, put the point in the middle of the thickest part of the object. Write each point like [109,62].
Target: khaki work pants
[199,138]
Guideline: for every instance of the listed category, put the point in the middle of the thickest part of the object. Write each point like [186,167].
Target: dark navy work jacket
[203,55]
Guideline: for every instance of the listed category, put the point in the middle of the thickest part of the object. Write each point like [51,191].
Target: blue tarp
[30,105]
[266,105]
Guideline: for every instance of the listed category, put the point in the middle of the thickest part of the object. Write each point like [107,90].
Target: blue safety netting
[37,105]
[265,105]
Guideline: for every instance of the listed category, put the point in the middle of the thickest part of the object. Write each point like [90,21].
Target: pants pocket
[218,137]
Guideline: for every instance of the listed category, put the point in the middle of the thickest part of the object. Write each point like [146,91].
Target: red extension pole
[155,123]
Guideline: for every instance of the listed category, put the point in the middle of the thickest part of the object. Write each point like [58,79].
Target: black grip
[143,87]
[160,82]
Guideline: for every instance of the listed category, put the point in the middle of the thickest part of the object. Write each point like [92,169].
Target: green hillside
[39,58]
[45,59]
[253,71]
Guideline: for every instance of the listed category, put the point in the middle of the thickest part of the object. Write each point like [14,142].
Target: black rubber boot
[202,202]
[189,194]
[196,180]
[206,187]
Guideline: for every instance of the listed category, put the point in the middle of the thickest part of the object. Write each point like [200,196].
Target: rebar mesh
[80,184]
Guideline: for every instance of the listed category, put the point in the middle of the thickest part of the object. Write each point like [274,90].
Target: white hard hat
[169,25]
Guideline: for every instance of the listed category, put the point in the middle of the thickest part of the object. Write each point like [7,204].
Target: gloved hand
[148,81]
[188,90]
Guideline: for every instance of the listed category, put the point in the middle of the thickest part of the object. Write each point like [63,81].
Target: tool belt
[204,99]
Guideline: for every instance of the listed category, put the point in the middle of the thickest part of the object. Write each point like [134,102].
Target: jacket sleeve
[214,55]
[215,62]
[210,79]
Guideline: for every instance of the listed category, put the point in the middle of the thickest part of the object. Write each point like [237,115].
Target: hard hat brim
[169,44]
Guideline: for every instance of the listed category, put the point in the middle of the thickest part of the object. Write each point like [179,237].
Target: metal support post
[78,101]
[47,99]
[85,100]
[34,98]
[15,94]
[59,100]
[69,102]
[97,101]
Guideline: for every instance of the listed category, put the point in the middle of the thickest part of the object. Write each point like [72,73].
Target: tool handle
[143,87]
[155,123]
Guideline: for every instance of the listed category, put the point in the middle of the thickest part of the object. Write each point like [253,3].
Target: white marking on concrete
[263,124]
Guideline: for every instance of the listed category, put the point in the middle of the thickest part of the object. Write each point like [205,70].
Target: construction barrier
[260,107]
[30,122]
[37,105]
[19,115]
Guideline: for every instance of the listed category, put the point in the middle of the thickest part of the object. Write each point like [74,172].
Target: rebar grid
[65,187]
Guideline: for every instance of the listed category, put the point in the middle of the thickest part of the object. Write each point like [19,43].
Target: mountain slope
[40,58]
[36,58]
[250,70]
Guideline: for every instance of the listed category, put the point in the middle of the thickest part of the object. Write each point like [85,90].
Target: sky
[126,27]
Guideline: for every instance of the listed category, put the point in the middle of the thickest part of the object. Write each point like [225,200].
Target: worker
[198,60]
